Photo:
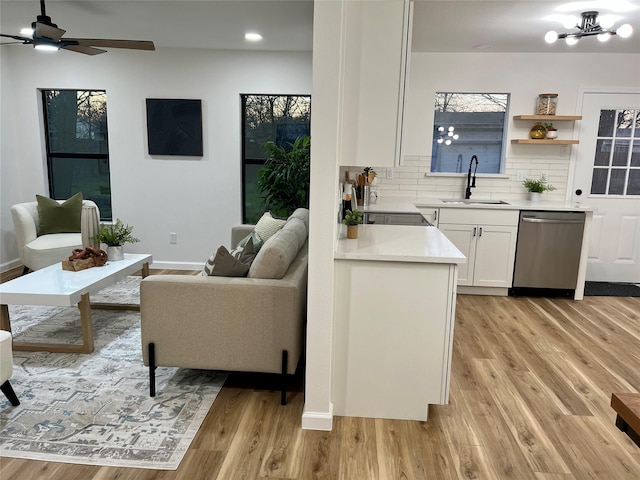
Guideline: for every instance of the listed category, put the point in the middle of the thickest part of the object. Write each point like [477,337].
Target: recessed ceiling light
[252,37]
[482,47]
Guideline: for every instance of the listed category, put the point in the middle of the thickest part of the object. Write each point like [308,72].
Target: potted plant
[352,219]
[284,179]
[536,186]
[115,235]
[552,132]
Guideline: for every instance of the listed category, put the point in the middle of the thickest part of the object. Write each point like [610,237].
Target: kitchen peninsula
[395,293]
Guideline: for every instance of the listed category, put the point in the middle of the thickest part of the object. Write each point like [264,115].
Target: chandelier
[589,26]
[446,136]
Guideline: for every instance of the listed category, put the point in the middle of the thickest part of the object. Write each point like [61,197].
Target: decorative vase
[115,253]
[552,134]
[352,231]
[535,196]
[538,132]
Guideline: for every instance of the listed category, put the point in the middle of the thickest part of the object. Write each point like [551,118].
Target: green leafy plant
[115,234]
[550,127]
[284,179]
[352,217]
[538,184]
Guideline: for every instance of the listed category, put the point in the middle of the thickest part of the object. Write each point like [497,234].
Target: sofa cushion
[255,239]
[57,217]
[302,214]
[267,226]
[275,256]
[297,226]
[230,264]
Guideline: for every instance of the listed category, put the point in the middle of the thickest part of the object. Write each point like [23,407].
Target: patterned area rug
[95,409]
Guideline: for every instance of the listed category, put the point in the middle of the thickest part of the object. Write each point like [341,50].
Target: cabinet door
[375,49]
[495,253]
[464,238]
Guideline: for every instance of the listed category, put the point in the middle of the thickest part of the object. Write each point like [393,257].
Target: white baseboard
[318,420]
[5,267]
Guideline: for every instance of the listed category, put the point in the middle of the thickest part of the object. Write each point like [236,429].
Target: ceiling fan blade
[48,31]
[17,37]
[101,42]
[84,49]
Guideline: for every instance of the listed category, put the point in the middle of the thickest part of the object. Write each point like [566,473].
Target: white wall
[524,76]
[198,198]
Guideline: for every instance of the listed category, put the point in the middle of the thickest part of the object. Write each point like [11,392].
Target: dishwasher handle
[550,220]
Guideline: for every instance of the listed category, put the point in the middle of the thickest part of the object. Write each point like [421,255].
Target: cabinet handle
[474,231]
[435,215]
[480,232]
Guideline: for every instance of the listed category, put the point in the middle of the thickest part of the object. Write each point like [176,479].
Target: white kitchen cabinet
[375,47]
[488,240]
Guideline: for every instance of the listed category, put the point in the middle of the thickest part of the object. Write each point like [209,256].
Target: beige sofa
[250,324]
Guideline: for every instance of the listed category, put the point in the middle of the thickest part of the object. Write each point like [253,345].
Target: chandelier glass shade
[446,136]
[589,26]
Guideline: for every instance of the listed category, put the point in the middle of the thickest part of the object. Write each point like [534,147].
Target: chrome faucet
[471,183]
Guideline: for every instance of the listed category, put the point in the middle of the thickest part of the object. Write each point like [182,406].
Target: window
[75,123]
[277,118]
[467,124]
[616,166]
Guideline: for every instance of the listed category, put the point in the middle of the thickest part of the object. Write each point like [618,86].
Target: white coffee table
[53,286]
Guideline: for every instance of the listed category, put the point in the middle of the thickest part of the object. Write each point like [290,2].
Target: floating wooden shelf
[550,118]
[545,141]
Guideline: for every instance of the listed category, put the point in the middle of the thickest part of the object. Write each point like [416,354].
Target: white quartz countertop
[510,205]
[398,243]
[390,207]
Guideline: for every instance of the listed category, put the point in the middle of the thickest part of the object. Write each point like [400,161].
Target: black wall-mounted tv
[174,127]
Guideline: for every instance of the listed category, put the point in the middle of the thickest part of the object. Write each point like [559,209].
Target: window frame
[50,156]
[255,161]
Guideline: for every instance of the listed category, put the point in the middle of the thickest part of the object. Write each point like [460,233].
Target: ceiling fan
[47,36]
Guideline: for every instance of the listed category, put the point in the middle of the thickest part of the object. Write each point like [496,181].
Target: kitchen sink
[469,201]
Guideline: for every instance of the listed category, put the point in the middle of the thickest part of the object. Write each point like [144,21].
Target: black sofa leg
[283,378]
[152,369]
[7,389]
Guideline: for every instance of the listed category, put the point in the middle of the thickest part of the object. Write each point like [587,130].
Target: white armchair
[41,251]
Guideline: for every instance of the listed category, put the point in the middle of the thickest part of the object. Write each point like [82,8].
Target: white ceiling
[439,26]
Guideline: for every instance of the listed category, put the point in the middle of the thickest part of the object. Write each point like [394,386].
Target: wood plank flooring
[530,399]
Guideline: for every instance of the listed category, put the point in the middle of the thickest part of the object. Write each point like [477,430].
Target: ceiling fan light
[604,37]
[46,47]
[625,30]
[571,40]
[27,32]
[551,37]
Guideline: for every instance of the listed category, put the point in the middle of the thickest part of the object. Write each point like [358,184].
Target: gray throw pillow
[230,264]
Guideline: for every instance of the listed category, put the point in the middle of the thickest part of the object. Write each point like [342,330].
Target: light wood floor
[532,382]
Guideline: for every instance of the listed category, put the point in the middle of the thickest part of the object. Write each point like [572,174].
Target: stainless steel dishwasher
[548,250]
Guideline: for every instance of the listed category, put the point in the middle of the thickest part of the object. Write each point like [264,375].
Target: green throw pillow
[59,217]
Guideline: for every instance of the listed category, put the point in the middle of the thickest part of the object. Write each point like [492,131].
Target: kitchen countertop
[394,243]
[398,206]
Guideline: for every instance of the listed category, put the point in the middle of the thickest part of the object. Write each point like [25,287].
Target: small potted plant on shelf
[552,132]
[536,186]
[115,235]
[352,219]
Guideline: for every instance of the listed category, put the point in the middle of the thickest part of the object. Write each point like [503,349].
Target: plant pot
[533,196]
[552,134]
[352,231]
[115,253]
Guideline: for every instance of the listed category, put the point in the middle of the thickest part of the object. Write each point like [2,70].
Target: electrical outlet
[389,173]
[173,237]
[544,174]
[521,175]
